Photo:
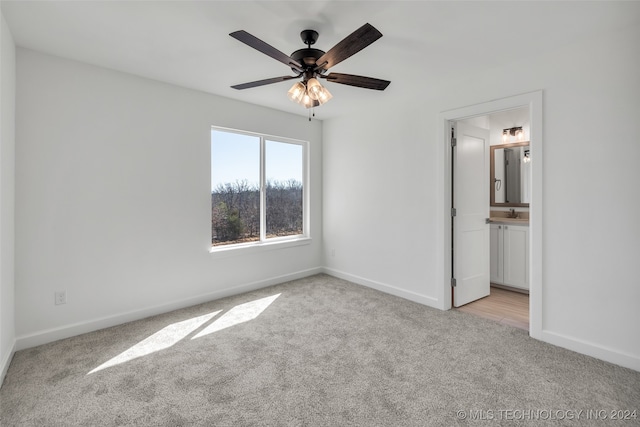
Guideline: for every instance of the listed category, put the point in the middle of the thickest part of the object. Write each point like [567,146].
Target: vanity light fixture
[514,131]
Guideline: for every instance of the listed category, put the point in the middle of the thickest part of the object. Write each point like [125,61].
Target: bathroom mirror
[510,174]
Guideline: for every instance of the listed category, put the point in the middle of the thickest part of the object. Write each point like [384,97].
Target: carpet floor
[319,351]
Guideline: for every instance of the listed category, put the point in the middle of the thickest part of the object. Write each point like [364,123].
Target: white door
[471,202]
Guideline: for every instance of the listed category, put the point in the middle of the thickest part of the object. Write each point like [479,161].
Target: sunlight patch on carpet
[238,314]
[175,332]
[164,338]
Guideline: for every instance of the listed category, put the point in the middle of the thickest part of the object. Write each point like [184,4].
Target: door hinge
[454,141]
[453,212]
[453,282]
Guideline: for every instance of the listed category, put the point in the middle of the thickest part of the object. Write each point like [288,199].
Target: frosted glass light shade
[324,96]
[314,88]
[307,101]
[297,92]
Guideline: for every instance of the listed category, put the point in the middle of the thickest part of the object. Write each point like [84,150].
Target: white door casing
[533,101]
[471,202]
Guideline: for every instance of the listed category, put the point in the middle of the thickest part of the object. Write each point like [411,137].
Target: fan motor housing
[308,57]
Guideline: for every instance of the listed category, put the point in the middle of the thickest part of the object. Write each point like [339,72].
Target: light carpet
[319,351]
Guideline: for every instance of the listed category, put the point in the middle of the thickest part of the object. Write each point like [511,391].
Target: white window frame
[273,242]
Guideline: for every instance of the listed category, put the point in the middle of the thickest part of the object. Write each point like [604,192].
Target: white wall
[379,197]
[380,186]
[7,198]
[113,198]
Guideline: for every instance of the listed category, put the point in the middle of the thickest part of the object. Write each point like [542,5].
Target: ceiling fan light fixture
[297,92]
[324,96]
[307,101]
[311,64]
[314,88]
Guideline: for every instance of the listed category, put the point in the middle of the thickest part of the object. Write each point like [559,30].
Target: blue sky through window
[283,161]
[236,157]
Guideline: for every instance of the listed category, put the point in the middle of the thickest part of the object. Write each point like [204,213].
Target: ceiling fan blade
[267,49]
[263,82]
[358,81]
[350,45]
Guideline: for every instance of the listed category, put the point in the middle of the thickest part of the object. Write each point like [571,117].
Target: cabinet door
[516,256]
[496,268]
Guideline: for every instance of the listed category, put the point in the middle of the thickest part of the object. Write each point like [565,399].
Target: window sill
[257,247]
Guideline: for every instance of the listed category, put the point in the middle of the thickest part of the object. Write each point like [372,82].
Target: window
[257,188]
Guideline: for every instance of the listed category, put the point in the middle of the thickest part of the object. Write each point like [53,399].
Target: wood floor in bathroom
[508,307]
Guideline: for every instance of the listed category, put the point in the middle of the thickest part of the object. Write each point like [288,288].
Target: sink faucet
[513,213]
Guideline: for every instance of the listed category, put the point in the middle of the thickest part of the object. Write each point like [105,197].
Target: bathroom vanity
[510,252]
[510,185]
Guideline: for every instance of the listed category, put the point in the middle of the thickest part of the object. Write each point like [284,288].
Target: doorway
[503,306]
[534,247]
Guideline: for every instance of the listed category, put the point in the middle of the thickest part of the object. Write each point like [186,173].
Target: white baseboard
[591,349]
[383,287]
[6,361]
[54,334]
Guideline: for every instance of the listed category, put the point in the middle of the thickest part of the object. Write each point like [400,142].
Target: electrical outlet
[60,297]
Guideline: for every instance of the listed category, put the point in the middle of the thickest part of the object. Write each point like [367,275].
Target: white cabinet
[510,255]
[516,256]
[496,257]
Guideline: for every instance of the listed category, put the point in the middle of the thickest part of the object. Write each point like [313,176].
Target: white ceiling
[187,43]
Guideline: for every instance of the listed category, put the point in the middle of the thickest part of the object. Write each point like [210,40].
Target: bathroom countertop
[513,221]
[502,217]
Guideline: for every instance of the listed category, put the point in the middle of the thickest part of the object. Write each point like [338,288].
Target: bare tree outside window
[236,183]
[284,190]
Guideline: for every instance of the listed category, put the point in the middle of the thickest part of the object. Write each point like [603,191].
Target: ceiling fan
[311,64]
